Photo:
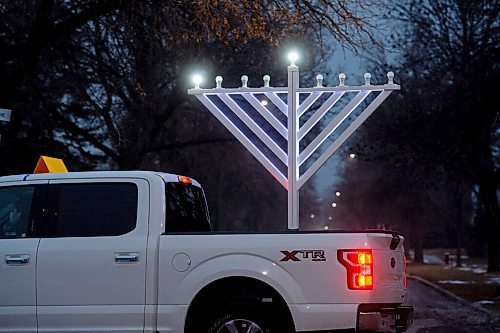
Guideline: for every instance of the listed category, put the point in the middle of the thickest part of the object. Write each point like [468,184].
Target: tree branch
[192,143]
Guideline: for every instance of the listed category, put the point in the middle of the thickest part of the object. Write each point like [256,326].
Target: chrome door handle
[17,260]
[130,257]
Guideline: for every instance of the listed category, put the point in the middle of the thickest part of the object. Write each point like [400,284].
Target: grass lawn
[470,281]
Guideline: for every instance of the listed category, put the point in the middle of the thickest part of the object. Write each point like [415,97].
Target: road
[435,313]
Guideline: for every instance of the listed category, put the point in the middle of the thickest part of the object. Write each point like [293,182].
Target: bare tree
[109,89]
[90,68]
[440,131]
[460,41]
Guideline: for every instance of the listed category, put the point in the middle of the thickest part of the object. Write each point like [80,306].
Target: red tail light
[359,265]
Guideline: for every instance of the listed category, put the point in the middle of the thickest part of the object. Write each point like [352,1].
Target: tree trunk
[418,244]
[419,252]
[488,186]
[487,190]
[459,216]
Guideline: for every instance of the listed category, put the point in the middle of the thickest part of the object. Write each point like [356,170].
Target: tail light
[359,265]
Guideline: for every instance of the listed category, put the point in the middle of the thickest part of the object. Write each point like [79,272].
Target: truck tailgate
[389,262]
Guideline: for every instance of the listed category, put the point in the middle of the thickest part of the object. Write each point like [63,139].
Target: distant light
[334,204]
[197,80]
[337,193]
[326,227]
[352,155]
[312,216]
[263,102]
[330,218]
[293,57]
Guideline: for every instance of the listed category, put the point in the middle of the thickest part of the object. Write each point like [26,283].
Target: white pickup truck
[133,252]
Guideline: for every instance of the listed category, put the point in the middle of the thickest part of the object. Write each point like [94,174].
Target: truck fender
[238,265]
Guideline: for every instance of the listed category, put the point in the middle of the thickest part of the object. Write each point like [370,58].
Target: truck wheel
[237,318]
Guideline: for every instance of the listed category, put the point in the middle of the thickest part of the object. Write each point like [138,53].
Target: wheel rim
[240,326]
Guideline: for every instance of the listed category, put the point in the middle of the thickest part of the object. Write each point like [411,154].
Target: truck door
[21,210]
[92,256]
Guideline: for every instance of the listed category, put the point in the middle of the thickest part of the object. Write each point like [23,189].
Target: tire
[238,318]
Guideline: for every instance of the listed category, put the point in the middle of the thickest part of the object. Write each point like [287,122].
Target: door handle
[126,257]
[17,260]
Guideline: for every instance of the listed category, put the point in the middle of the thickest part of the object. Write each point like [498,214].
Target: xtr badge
[299,255]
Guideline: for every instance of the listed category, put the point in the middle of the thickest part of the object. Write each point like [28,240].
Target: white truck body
[149,279]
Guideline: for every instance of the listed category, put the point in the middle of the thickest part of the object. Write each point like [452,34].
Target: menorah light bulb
[197,80]
[368,76]
[390,78]
[218,81]
[319,80]
[293,56]
[266,80]
[244,81]
[342,80]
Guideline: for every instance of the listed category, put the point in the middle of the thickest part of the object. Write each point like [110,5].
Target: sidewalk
[458,299]
[470,284]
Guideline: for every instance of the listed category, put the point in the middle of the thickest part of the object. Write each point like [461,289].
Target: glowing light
[365,281]
[293,57]
[352,155]
[359,264]
[312,216]
[330,218]
[184,179]
[337,193]
[326,227]
[334,204]
[263,102]
[197,80]
[364,258]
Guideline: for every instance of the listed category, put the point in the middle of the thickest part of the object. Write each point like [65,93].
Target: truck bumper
[384,318]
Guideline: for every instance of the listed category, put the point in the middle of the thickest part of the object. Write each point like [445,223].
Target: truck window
[186,208]
[95,209]
[15,209]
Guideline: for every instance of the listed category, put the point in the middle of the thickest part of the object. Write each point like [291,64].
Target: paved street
[435,313]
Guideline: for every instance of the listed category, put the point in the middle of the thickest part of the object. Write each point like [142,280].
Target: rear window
[186,208]
[96,209]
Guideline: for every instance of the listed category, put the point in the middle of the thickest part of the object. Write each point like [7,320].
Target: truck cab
[79,251]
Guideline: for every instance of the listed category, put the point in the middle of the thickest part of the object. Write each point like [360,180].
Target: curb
[456,298]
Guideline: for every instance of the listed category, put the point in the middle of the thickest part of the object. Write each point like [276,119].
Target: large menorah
[254,113]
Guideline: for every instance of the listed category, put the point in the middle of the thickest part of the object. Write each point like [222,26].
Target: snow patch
[494,280]
[479,270]
[453,282]
[432,259]
[484,302]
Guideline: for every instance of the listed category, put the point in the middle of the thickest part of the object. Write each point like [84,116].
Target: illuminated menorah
[245,104]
